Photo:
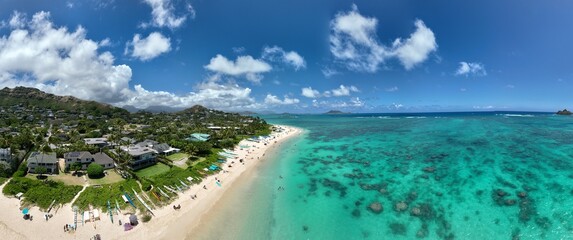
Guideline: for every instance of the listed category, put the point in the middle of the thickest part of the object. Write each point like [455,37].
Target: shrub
[145,184]
[95,170]
[41,193]
[146,218]
[5,169]
[41,170]
[22,170]
[227,143]
[203,148]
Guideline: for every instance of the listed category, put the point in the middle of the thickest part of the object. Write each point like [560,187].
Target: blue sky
[295,56]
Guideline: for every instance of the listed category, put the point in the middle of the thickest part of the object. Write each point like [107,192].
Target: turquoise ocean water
[436,176]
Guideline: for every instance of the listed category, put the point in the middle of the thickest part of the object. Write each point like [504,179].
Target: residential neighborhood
[51,145]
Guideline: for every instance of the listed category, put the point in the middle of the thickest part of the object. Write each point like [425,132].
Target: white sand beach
[167,222]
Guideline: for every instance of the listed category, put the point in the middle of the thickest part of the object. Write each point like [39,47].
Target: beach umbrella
[25,211]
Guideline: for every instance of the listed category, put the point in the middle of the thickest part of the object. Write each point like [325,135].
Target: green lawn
[179,159]
[178,156]
[156,169]
[110,177]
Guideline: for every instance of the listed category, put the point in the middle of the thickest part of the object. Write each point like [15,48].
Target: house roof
[199,137]
[102,158]
[138,150]
[95,140]
[37,157]
[147,143]
[162,147]
[82,154]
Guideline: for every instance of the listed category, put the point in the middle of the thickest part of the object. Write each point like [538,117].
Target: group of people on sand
[177,207]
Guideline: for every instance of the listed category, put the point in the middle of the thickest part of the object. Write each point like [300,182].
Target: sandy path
[167,223]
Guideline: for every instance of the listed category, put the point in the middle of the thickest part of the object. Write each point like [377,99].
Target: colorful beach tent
[25,211]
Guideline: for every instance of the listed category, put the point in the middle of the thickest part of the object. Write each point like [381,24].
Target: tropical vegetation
[31,120]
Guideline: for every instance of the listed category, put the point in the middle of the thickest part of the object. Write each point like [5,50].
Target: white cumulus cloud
[212,94]
[18,20]
[352,103]
[310,93]
[354,43]
[148,48]
[337,92]
[243,66]
[274,100]
[471,68]
[54,59]
[417,47]
[163,14]
[343,91]
[63,62]
[278,54]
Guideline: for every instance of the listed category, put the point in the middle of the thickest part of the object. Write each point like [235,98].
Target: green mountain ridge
[32,97]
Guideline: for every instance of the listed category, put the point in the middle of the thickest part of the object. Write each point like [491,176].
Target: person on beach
[204,187]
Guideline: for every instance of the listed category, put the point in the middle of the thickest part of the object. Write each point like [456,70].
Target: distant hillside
[131,108]
[195,109]
[34,97]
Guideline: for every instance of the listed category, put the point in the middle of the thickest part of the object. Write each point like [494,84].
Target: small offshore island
[564,112]
[71,163]
[335,112]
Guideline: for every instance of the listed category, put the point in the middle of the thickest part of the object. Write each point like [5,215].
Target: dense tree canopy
[95,170]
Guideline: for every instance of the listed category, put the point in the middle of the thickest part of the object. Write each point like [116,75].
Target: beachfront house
[5,155]
[46,160]
[98,142]
[198,137]
[104,160]
[84,158]
[141,157]
[159,148]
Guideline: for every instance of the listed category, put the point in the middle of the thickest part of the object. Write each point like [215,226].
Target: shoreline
[167,223]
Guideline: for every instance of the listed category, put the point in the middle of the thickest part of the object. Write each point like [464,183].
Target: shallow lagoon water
[436,176]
